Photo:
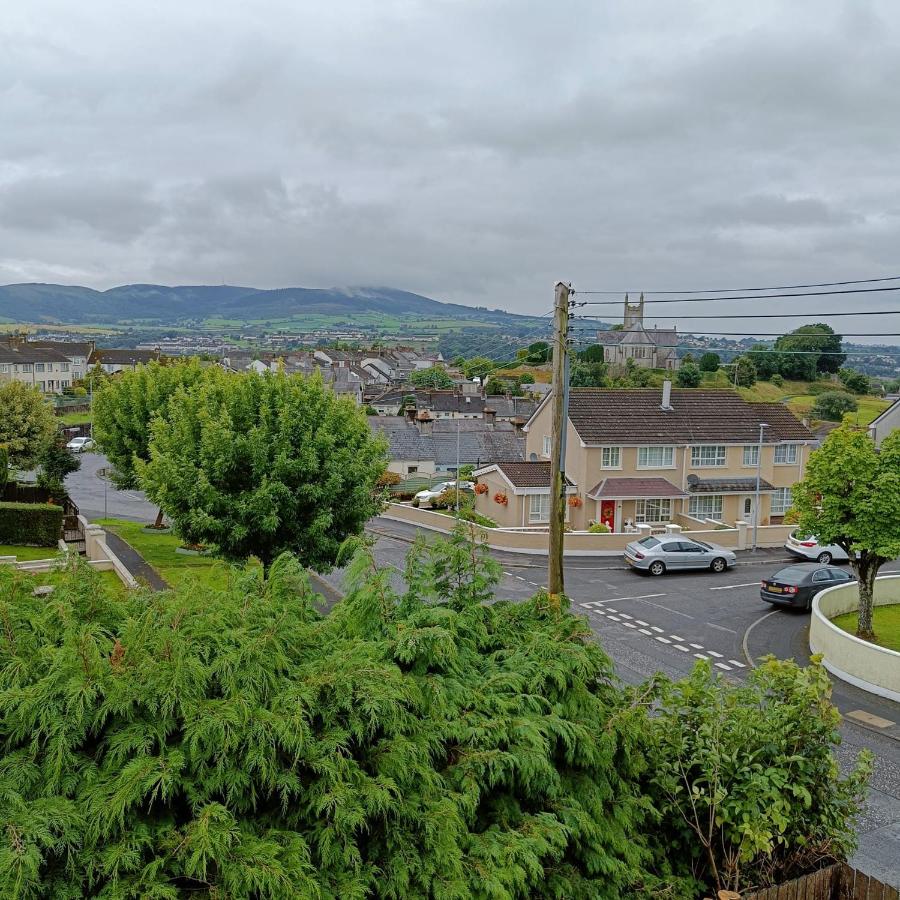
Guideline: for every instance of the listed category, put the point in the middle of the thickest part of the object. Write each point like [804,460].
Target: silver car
[675,551]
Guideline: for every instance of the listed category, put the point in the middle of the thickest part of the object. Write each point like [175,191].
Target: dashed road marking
[731,587]
[657,629]
[713,653]
[663,640]
[610,609]
[676,638]
[612,618]
[626,616]
[701,656]
[723,666]
[645,631]
[682,648]
[629,625]
[621,599]
[740,665]
[641,622]
[697,646]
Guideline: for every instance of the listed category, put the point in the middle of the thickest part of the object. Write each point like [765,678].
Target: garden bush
[833,404]
[777,380]
[32,524]
[599,528]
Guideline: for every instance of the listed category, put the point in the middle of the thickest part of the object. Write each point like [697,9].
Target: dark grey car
[670,552]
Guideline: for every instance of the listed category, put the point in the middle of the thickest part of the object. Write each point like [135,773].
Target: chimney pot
[666,395]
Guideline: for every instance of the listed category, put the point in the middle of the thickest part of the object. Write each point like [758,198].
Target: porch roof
[727,485]
[634,489]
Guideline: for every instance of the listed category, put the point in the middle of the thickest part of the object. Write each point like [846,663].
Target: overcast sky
[469,150]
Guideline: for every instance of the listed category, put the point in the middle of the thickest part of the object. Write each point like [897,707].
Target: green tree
[588,374]
[539,353]
[765,362]
[258,465]
[710,362]
[56,462]
[125,406]
[4,467]
[831,405]
[478,367]
[744,371]
[234,743]
[495,386]
[744,778]
[850,496]
[818,338]
[435,377]
[688,375]
[27,423]
[526,378]
[855,381]
[593,354]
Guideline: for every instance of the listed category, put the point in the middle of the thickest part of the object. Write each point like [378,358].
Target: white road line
[676,638]
[654,627]
[721,627]
[621,599]
[611,609]
[641,622]
[589,604]
[700,656]
[663,640]
[645,631]
[626,616]
[629,625]
[612,618]
[731,587]
[713,653]
[734,662]
[682,648]
[520,578]
[697,646]
[509,573]
[723,666]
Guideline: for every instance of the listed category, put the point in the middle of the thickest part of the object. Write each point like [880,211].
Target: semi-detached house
[651,456]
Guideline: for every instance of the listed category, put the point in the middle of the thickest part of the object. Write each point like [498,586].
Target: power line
[777,287]
[844,334]
[739,350]
[867,312]
[739,297]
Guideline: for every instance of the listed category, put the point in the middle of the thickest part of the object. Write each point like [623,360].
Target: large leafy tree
[688,375]
[435,377]
[850,496]
[259,464]
[235,744]
[27,423]
[810,340]
[710,362]
[831,405]
[478,367]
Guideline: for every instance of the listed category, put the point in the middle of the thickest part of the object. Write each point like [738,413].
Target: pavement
[647,625]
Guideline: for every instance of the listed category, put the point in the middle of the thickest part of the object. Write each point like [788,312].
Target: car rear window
[649,542]
[790,574]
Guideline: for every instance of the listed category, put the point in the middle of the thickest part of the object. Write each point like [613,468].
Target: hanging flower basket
[501,498]
[481,488]
[575,502]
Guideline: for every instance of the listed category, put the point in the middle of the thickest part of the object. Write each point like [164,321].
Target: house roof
[523,475]
[660,337]
[123,356]
[510,407]
[726,485]
[67,348]
[477,447]
[634,489]
[25,353]
[608,416]
[404,439]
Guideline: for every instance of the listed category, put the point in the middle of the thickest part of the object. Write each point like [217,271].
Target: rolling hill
[162,305]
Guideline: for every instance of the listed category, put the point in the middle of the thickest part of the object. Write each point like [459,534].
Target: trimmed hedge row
[35,524]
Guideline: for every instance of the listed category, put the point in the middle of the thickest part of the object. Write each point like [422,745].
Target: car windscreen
[649,542]
[791,574]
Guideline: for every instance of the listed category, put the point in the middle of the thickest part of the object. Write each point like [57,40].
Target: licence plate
[629,560]
[773,589]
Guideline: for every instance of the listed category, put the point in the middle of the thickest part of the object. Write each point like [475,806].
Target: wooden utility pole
[559,425]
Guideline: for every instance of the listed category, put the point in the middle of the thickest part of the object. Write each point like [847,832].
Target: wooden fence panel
[838,882]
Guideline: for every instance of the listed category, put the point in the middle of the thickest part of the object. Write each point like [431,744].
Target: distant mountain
[161,305]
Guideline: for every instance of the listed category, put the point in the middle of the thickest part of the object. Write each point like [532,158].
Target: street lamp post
[762,427]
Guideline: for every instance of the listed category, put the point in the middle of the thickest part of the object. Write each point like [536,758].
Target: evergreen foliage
[832,405]
[435,377]
[256,465]
[56,463]
[745,371]
[710,362]
[688,375]
[30,524]
[237,745]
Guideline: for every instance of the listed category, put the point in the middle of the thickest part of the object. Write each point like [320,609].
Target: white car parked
[436,490]
[806,546]
[79,444]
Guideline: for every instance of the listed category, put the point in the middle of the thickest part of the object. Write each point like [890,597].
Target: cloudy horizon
[471,152]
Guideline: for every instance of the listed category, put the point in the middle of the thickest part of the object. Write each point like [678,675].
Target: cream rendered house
[655,457]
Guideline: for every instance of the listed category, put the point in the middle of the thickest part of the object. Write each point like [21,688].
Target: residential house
[518,493]
[77,352]
[681,456]
[113,360]
[650,348]
[887,422]
[48,370]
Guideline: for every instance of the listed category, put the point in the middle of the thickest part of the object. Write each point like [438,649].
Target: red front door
[608,513]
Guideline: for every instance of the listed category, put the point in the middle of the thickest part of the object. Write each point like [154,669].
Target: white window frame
[789,452]
[653,509]
[645,451]
[706,506]
[751,455]
[38,367]
[610,457]
[538,516]
[781,501]
[545,446]
[717,452]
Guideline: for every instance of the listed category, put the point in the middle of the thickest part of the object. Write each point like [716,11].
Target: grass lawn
[886,623]
[25,553]
[159,551]
[109,580]
[74,418]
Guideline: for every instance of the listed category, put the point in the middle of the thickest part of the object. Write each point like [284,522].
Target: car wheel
[657,568]
[824,558]
[718,565]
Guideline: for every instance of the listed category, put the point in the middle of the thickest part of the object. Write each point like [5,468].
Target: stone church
[651,348]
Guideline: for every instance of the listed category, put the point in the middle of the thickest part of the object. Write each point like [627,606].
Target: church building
[651,348]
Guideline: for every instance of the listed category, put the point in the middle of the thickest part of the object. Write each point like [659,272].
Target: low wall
[868,666]
[577,543]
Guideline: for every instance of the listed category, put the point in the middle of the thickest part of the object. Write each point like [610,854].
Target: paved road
[96,497]
[665,624]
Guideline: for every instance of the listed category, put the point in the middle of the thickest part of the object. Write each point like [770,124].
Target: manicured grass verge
[886,622]
[25,553]
[159,551]
[74,418]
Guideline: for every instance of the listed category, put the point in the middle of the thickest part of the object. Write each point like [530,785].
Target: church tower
[634,313]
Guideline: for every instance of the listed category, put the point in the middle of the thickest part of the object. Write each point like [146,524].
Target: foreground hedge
[34,524]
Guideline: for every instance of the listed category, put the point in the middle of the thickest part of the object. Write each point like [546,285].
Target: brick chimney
[490,417]
[425,422]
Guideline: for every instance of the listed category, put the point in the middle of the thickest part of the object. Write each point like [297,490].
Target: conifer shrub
[236,744]
[32,524]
